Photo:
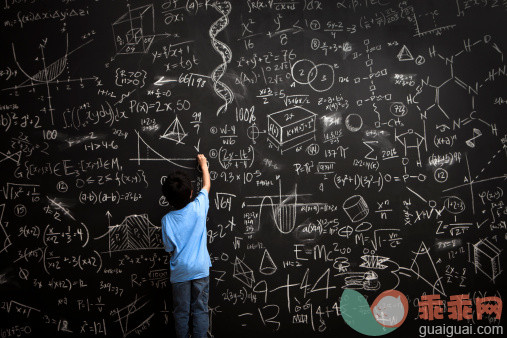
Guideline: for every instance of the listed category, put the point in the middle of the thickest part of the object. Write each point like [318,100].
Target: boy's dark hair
[177,188]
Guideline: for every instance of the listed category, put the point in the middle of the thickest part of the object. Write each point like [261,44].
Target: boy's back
[184,234]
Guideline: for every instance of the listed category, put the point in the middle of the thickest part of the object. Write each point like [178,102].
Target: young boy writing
[184,235]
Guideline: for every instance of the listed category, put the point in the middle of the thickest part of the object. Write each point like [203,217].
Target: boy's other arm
[205,172]
[168,245]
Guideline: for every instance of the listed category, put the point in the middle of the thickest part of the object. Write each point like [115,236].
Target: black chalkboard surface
[355,147]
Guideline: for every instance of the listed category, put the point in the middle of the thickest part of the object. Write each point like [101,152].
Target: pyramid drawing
[404,54]
[133,233]
[175,132]
[243,273]
[424,268]
[268,266]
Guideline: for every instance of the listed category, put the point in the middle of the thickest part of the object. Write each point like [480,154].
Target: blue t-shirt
[184,234]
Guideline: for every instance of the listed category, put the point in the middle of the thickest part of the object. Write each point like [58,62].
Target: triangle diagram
[152,154]
[268,266]
[404,54]
[175,132]
[243,273]
[15,157]
[424,268]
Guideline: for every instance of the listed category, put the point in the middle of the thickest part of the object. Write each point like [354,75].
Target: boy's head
[177,189]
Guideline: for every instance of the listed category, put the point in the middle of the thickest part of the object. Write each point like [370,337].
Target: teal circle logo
[387,312]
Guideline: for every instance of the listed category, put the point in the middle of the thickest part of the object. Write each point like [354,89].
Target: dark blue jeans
[191,297]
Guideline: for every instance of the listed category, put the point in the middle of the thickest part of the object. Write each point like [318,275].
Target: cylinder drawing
[356,208]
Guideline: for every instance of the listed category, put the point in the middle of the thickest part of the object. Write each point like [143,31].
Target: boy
[184,235]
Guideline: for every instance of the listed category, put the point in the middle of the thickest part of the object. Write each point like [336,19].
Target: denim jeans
[191,297]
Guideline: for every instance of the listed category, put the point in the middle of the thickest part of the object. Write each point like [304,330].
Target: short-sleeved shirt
[184,234]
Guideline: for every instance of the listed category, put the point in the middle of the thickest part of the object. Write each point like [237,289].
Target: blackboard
[354,144]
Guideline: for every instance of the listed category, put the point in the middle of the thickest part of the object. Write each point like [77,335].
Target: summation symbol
[175,132]
[243,273]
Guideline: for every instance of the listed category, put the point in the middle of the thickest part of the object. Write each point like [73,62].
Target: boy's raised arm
[206,182]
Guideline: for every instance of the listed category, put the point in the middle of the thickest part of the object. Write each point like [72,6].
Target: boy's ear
[191,192]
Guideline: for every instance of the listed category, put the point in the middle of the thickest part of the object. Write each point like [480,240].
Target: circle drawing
[319,77]
[353,122]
